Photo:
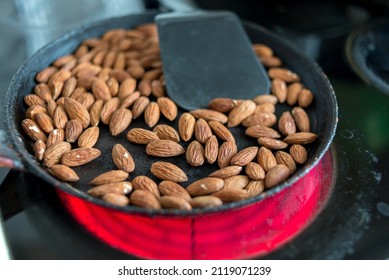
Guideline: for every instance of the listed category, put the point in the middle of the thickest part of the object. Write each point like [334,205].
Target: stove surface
[353,225]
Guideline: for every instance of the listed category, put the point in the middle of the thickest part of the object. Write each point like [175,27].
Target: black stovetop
[353,225]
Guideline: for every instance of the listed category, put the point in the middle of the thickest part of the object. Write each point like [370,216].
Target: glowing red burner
[241,233]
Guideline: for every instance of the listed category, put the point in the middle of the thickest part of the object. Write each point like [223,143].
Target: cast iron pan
[17,153]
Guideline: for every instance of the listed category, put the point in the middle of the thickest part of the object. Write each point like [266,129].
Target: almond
[255,187]
[168,108]
[158,89]
[264,119]
[73,130]
[211,149]
[44,122]
[113,86]
[202,131]
[276,175]
[301,138]
[226,151]
[39,149]
[44,75]
[55,152]
[145,183]
[222,105]
[240,112]
[254,171]
[120,121]
[168,171]
[262,50]
[173,189]
[174,202]
[265,98]
[56,135]
[69,86]
[130,100]
[209,115]
[195,154]
[226,172]
[152,114]
[35,109]
[236,182]
[122,187]
[257,131]
[164,148]
[298,153]
[145,199]
[301,119]
[89,137]
[167,132]
[244,156]
[271,143]
[116,199]
[221,131]
[286,159]
[43,91]
[127,87]
[64,173]
[266,159]
[286,124]
[305,98]
[293,93]
[144,86]
[77,111]
[139,106]
[51,107]
[283,74]
[205,186]
[231,195]
[122,158]
[265,108]
[186,124]
[205,201]
[271,61]
[32,130]
[80,156]
[109,177]
[108,109]
[279,89]
[101,90]
[60,117]
[141,136]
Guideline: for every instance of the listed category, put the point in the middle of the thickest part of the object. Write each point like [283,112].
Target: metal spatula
[207,55]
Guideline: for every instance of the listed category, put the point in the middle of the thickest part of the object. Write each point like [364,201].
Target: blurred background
[328,31]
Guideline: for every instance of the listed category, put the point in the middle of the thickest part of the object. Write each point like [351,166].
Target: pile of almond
[118,77]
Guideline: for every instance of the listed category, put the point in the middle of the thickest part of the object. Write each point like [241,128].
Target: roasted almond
[157,89]
[39,148]
[209,115]
[122,187]
[286,124]
[265,98]
[298,153]
[89,137]
[173,189]
[276,175]
[264,119]
[205,201]
[226,172]
[244,156]
[122,158]
[164,148]
[109,177]
[35,109]
[80,156]
[265,108]
[141,136]
[32,130]
[254,171]
[226,151]
[51,107]
[221,131]
[60,117]
[305,98]
[116,199]
[152,114]
[301,138]
[56,135]
[186,124]
[211,149]
[258,130]
[293,93]
[108,109]
[240,112]
[262,50]
[205,186]
[168,171]
[286,159]
[168,108]
[120,120]
[145,199]
[142,182]
[255,187]
[144,86]
[139,106]
[101,90]
[77,111]
[73,130]
[272,144]
[55,152]
[167,132]
[236,182]
[195,154]
[174,202]
[283,74]
[279,89]
[127,87]
[301,119]
[266,159]
[231,195]
[222,105]
[44,75]
[44,122]
[130,100]
[43,91]
[64,173]
[202,131]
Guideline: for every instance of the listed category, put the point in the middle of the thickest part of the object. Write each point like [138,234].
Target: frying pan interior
[323,114]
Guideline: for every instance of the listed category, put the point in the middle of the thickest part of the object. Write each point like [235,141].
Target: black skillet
[15,151]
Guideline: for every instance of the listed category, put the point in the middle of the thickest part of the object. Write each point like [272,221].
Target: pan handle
[9,158]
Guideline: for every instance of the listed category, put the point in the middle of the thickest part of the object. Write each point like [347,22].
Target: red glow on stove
[250,231]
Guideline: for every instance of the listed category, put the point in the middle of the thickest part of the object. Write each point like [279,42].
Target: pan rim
[35,169]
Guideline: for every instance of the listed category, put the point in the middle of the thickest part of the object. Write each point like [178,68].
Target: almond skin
[73,130]
[122,187]
[77,111]
[33,131]
[271,143]
[174,202]
[254,171]
[286,159]
[301,138]
[305,98]
[222,105]
[205,186]
[145,199]
[141,136]
[226,151]
[258,118]
[55,152]
[101,90]
[122,158]
[236,182]
[168,108]
[152,114]
[279,89]
[202,131]
[64,173]
[166,132]
[109,177]
[39,149]
[293,92]
[205,201]
[266,159]
[168,171]
[221,131]
[283,74]
[226,172]
[195,154]
[186,124]
[116,199]
[276,175]
[209,115]
[89,137]
[80,156]
[231,195]
[243,157]
[173,189]
[240,112]
[286,124]
[211,149]
[45,122]
[145,183]
[120,120]
[255,187]
[298,153]
[257,131]
[164,148]
[301,119]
